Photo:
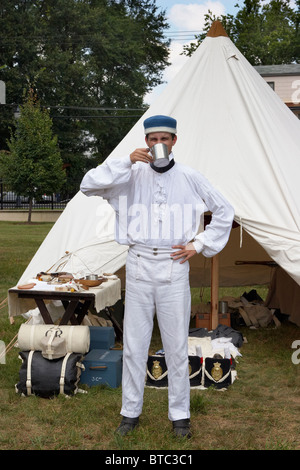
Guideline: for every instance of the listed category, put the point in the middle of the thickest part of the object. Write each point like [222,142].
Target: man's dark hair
[173,135]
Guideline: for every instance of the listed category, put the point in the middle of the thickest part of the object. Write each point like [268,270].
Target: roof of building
[283,69]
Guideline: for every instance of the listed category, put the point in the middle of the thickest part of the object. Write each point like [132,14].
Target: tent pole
[214,314]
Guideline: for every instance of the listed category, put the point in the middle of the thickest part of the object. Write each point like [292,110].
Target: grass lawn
[260,411]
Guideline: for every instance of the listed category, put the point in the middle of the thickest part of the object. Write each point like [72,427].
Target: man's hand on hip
[185,252]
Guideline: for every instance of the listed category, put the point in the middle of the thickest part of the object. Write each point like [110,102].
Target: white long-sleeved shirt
[161,209]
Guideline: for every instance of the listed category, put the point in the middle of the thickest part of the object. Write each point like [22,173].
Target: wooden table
[76,304]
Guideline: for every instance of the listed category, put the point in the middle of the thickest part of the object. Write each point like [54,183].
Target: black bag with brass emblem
[195,370]
[216,372]
[157,372]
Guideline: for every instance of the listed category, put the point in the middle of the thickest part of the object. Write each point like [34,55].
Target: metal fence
[10,200]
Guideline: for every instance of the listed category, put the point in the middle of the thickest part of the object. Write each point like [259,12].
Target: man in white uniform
[158,212]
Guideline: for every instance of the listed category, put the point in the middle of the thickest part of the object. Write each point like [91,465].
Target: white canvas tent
[234,129]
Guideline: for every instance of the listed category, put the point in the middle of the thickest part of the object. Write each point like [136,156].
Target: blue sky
[186,18]
[190,13]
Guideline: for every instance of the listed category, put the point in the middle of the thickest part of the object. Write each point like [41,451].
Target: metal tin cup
[160,155]
[223,306]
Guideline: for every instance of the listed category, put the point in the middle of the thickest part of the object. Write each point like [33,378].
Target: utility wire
[93,108]
[9,40]
[94,117]
[89,108]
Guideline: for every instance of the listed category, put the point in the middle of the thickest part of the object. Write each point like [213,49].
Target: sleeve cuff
[198,245]
[129,161]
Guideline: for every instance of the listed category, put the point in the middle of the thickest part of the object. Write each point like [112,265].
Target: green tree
[90,61]
[34,165]
[265,33]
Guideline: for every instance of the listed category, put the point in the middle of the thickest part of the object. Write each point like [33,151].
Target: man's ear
[174,140]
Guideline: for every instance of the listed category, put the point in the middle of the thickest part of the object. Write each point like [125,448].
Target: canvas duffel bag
[54,341]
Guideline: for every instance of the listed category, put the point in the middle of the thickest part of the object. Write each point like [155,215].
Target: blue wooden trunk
[102,367]
[102,337]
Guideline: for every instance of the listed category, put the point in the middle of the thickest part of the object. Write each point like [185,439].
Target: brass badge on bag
[156,369]
[217,371]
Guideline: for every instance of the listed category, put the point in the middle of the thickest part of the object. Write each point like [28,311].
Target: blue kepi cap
[160,124]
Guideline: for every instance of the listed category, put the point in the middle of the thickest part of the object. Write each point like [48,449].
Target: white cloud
[191,16]
[176,63]
[185,17]
[176,60]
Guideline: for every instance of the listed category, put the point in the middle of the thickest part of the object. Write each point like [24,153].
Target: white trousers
[156,283]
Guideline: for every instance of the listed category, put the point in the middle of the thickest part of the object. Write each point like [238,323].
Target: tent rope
[11,344]
[3,303]
[241,232]
[61,263]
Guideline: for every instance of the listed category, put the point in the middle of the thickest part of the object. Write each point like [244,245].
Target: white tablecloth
[107,294]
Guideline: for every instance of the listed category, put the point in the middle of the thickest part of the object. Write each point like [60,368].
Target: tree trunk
[29,210]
